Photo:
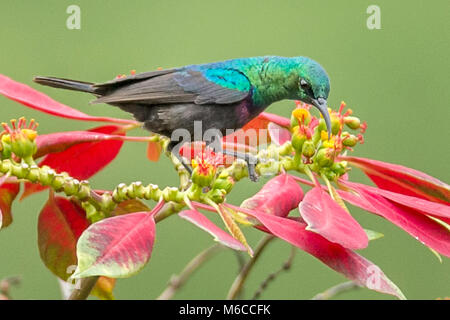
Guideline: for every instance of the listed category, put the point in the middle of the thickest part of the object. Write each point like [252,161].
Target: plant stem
[285,267]
[336,290]
[85,287]
[177,281]
[239,282]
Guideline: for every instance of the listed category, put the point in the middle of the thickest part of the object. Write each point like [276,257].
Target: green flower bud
[324,157]
[335,125]
[5,147]
[349,140]
[23,143]
[308,149]
[217,195]
[329,174]
[352,122]
[339,168]
[298,139]
[224,184]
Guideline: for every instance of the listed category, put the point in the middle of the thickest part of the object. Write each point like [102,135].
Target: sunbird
[222,95]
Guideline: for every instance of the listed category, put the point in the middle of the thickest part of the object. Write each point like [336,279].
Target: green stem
[177,281]
[239,282]
[336,290]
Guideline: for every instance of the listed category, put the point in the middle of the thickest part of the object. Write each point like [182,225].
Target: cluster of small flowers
[314,147]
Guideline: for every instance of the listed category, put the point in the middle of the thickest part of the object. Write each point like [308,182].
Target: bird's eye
[303,83]
[306,88]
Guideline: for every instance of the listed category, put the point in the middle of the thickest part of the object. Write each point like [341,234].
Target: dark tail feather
[65,84]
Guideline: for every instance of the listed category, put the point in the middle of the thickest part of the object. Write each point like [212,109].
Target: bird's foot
[249,159]
[252,172]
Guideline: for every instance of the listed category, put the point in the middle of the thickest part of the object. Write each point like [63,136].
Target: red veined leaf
[340,259]
[438,210]
[426,230]
[8,192]
[83,160]
[37,100]
[278,135]
[129,206]
[327,218]
[117,247]
[60,224]
[278,196]
[154,150]
[205,224]
[402,180]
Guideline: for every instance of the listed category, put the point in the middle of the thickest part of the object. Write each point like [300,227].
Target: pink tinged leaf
[278,196]
[327,218]
[205,224]
[8,192]
[83,160]
[402,180]
[117,247]
[34,99]
[278,135]
[60,224]
[340,259]
[438,210]
[428,231]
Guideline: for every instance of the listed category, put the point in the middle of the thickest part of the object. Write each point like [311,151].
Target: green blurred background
[396,78]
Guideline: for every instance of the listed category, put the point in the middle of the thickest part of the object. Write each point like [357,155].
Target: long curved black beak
[321,104]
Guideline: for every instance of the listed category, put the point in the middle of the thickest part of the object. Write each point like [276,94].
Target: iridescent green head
[314,86]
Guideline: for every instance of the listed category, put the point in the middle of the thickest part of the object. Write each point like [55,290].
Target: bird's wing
[220,86]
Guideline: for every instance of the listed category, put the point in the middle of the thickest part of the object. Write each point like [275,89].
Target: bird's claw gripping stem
[250,159]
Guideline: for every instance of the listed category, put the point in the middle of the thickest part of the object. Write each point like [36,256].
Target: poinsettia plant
[109,234]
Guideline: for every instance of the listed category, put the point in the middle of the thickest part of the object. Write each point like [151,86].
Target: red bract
[260,122]
[34,99]
[342,260]
[8,192]
[266,117]
[428,231]
[402,180]
[325,217]
[435,209]
[60,224]
[278,135]
[278,197]
[154,150]
[219,235]
[60,141]
[82,160]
